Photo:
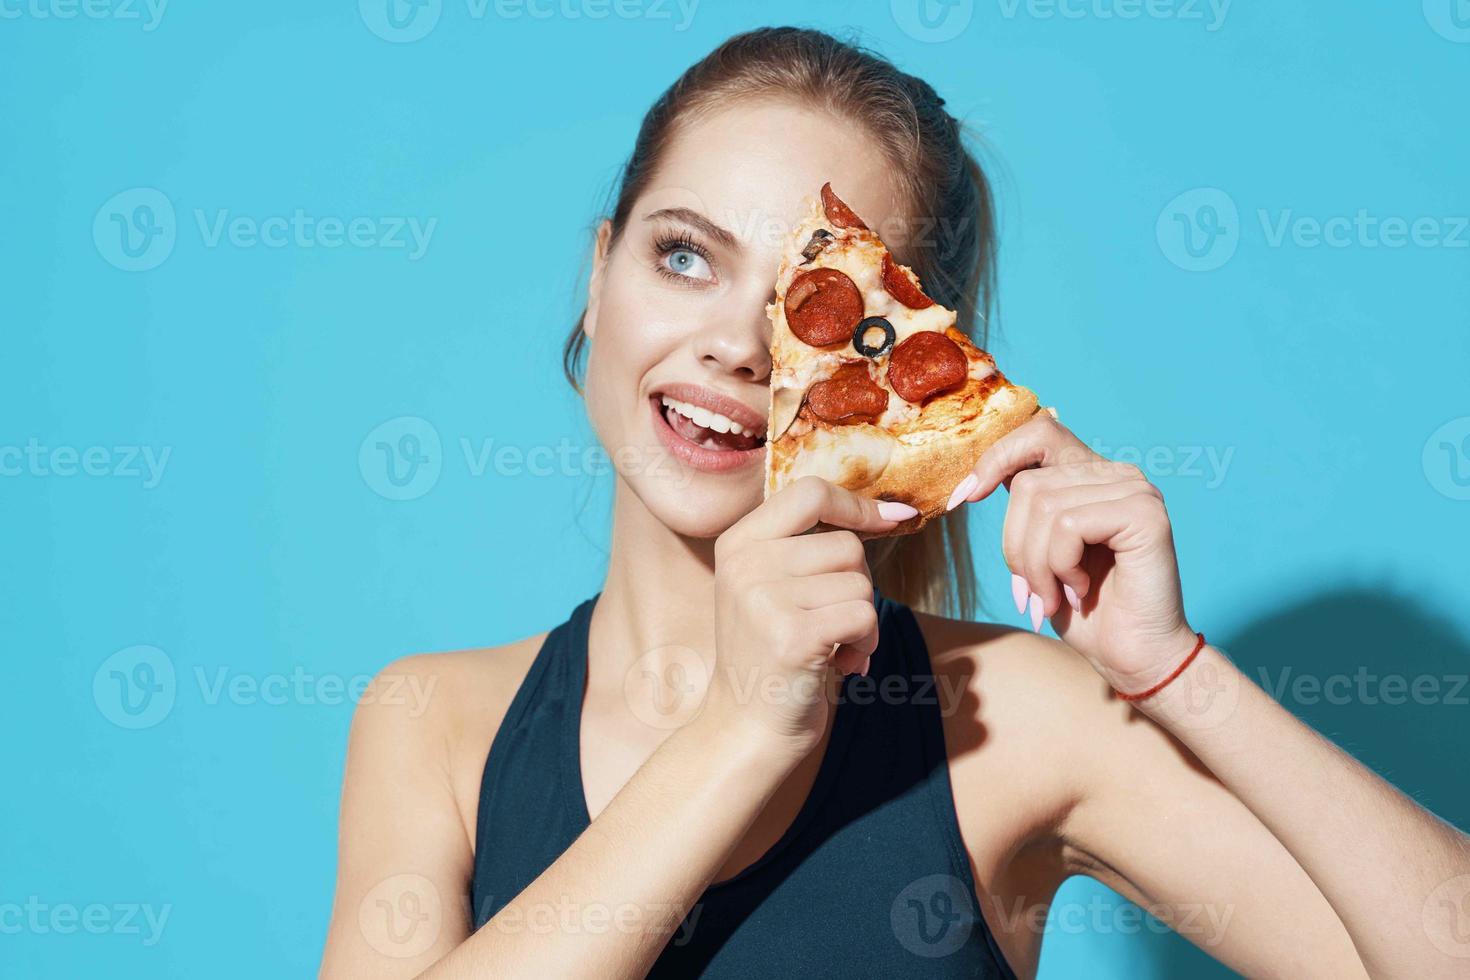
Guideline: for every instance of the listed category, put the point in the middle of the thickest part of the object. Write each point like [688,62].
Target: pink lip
[732,408]
[708,460]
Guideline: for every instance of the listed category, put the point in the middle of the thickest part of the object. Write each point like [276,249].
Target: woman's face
[677,307]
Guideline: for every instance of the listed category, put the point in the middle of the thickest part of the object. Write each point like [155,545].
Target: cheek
[627,345]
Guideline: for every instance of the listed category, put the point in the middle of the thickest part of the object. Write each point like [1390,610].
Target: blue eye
[680,258]
[687,263]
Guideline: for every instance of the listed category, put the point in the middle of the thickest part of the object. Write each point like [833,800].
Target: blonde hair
[939,179]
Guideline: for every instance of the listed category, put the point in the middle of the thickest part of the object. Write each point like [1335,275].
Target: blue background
[1332,539]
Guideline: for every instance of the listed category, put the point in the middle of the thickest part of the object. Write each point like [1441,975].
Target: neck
[660,588]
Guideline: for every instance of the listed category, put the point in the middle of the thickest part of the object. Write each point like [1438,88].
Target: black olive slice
[859,337]
[819,240]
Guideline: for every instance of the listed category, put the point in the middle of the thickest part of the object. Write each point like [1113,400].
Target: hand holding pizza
[791,605]
[1089,544]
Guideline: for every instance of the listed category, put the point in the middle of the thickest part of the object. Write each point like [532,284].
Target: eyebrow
[699,221]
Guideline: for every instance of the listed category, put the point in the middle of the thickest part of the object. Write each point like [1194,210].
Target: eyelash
[666,244]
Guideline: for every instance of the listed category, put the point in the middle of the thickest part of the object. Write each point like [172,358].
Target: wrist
[1157,659]
[1204,696]
[742,744]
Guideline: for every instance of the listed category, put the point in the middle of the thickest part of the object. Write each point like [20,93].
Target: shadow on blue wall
[1332,661]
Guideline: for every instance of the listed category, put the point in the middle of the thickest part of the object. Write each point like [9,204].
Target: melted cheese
[853,456]
[858,255]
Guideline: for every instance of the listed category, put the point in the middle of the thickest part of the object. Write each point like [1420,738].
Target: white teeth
[704,417]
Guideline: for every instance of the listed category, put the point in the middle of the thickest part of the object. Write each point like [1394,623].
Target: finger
[828,589]
[853,622]
[1047,580]
[811,500]
[1029,486]
[852,658]
[1115,524]
[1043,441]
[821,551]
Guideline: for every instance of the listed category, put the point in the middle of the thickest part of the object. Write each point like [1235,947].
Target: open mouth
[706,429]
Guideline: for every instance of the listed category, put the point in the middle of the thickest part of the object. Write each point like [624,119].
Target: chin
[705,507]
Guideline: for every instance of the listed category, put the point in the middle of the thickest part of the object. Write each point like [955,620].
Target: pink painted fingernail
[1072,599]
[866,662]
[895,510]
[966,487]
[1036,616]
[1019,591]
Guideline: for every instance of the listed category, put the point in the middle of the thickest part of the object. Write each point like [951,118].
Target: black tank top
[871,878]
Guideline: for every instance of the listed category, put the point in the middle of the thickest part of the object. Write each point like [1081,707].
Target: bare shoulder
[435,715]
[1021,711]
[1021,675]
[447,690]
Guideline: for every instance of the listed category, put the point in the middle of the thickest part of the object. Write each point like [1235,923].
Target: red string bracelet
[1198,646]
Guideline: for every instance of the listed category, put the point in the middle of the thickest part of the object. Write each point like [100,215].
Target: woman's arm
[609,904]
[605,908]
[1376,856]
[1090,543]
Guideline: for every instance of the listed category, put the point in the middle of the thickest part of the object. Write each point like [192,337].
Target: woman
[683,777]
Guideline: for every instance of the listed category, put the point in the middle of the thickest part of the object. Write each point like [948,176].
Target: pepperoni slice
[823,306]
[838,213]
[849,396]
[926,363]
[901,287]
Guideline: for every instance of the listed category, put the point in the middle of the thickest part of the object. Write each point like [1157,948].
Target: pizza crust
[924,476]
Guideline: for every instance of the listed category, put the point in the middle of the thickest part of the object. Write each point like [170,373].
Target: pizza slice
[872,385]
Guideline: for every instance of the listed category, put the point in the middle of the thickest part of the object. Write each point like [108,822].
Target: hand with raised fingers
[1089,544]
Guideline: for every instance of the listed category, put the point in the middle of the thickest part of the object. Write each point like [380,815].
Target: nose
[737,341]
